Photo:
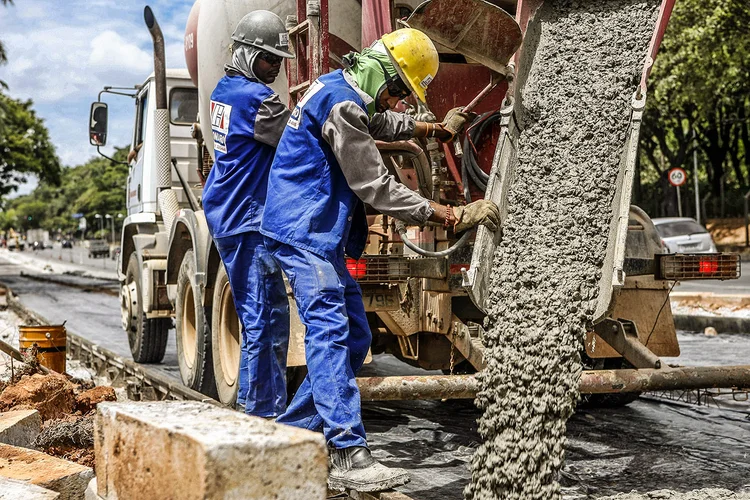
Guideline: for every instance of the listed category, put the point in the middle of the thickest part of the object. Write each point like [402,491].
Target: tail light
[357,268]
[723,266]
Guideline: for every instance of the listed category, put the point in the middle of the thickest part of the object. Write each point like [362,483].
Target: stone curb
[723,324]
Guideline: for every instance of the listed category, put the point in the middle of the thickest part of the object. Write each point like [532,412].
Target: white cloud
[112,53]
[61,54]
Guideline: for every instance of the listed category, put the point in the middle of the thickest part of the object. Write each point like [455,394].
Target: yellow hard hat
[415,58]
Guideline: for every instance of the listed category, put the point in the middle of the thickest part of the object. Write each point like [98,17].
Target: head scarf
[243,57]
[368,73]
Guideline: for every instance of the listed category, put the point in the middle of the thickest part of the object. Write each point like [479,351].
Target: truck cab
[183,112]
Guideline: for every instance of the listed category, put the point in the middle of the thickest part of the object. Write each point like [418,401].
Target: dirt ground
[66,403]
[66,409]
[728,232]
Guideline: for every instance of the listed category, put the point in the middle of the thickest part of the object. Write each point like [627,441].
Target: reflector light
[680,267]
[708,266]
[381,269]
[357,268]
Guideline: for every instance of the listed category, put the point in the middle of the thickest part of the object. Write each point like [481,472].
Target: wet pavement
[650,444]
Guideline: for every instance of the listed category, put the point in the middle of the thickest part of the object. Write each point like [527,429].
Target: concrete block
[13,489]
[20,427]
[66,478]
[193,450]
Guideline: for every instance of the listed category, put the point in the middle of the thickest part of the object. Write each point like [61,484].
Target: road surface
[648,445]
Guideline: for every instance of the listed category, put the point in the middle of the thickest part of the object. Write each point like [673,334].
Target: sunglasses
[396,86]
[270,58]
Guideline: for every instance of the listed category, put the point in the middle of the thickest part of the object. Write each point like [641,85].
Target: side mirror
[98,124]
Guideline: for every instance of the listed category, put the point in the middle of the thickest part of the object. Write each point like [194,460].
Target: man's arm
[270,120]
[346,131]
[390,126]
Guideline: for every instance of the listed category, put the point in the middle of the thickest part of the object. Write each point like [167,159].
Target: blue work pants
[336,343]
[263,308]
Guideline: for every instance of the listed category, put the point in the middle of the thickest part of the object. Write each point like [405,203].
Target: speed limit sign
[677,176]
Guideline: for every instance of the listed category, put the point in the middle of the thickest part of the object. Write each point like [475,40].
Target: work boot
[355,469]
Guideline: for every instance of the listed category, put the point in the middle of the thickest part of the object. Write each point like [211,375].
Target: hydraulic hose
[401,230]
[469,163]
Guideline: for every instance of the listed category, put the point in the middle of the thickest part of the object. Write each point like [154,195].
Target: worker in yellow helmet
[326,167]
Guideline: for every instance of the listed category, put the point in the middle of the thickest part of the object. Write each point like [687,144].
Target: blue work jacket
[309,203]
[235,190]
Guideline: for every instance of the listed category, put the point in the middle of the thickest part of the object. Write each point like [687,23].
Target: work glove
[455,120]
[482,212]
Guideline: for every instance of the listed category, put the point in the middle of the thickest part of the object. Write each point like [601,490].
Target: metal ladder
[310,42]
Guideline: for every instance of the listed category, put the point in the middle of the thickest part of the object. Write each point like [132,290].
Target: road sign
[677,176]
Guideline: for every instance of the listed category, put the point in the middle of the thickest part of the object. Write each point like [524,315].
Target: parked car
[684,235]
[97,248]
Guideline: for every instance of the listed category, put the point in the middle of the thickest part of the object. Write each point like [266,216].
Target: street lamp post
[101,221]
[112,220]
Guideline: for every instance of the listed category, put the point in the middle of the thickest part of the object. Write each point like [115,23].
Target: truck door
[135,178]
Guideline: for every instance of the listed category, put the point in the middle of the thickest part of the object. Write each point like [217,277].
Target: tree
[25,147]
[701,85]
[97,186]
[3,55]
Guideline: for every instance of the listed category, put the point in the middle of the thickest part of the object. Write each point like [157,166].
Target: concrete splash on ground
[703,494]
[587,58]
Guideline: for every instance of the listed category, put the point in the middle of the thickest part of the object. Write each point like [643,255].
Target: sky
[62,52]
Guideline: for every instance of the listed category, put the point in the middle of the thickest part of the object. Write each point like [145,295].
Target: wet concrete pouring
[649,445]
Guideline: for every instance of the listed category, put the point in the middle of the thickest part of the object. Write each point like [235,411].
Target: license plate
[691,246]
[381,300]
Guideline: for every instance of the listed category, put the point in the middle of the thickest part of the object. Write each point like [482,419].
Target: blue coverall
[308,238]
[233,201]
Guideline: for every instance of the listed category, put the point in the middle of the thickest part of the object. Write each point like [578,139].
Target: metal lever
[622,335]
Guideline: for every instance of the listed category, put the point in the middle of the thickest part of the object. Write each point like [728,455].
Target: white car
[684,235]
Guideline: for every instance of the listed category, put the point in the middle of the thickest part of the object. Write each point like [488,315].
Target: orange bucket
[50,342]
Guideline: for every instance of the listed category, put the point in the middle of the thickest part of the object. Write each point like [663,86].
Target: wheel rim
[188,331]
[229,337]
[129,310]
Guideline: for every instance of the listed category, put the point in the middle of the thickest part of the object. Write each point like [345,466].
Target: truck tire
[193,335]
[226,339]
[147,337]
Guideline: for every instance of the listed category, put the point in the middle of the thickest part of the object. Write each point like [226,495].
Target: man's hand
[455,120]
[482,212]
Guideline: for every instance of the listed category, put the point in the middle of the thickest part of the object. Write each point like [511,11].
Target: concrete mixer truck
[424,288]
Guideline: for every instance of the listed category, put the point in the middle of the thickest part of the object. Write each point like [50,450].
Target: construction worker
[247,119]
[326,166]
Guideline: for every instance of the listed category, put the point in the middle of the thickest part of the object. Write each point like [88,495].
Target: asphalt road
[648,445]
[76,257]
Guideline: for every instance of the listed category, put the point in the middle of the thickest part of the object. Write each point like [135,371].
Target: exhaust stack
[168,204]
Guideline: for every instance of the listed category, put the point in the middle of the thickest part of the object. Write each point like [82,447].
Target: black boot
[355,469]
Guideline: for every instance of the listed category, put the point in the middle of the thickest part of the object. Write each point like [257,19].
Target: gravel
[587,58]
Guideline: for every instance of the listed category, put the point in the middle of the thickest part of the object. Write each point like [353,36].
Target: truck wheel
[226,333]
[192,332]
[147,337]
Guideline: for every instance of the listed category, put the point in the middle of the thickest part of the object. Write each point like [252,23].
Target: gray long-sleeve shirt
[352,138]
[270,120]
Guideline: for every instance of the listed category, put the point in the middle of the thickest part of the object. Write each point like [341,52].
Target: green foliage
[701,85]
[3,55]
[96,187]
[25,147]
